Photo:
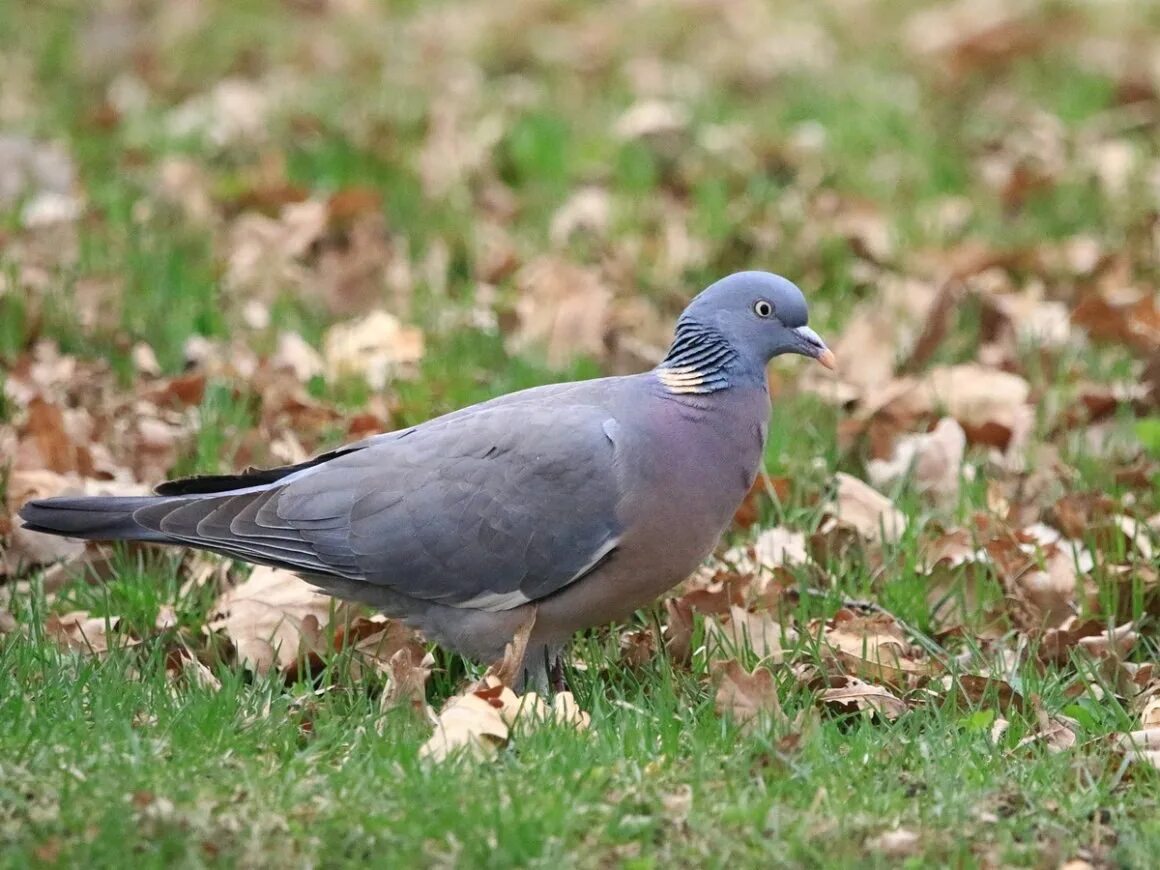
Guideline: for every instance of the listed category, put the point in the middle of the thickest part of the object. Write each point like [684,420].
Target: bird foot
[544,671]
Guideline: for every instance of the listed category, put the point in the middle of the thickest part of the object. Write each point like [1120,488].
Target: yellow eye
[762,308]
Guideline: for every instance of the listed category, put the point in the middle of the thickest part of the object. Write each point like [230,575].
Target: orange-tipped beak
[827,358]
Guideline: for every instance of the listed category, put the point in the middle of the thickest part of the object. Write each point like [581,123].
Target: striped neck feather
[697,362]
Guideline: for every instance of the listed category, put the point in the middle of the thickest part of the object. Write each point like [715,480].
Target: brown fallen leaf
[679,630]
[977,690]
[779,546]
[81,632]
[509,670]
[746,697]
[376,348]
[745,629]
[1130,317]
[963,36]
[376,641]
[469,726]
[272,618]
[1150,713]
[1148,738]
[182,666]
[26,548]
[637,648]
[932,460]
[407,686]
[852,695]
[991,405]
[858,506]
[296,355]
[1053,731]
[588,210]
[898,843]
[563,310]
[873,647]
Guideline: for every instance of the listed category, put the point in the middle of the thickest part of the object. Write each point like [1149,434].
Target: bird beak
[813,346]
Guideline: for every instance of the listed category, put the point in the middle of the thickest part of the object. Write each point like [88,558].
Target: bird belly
[690,487]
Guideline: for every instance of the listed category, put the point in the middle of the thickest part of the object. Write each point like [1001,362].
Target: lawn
[241,233]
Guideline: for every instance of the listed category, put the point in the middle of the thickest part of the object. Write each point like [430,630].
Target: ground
[239,233]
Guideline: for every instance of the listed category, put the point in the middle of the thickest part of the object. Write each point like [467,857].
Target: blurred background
[411,206]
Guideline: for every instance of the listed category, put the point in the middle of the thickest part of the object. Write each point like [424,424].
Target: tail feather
[93,518]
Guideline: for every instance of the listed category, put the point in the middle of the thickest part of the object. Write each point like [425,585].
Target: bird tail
[101,518]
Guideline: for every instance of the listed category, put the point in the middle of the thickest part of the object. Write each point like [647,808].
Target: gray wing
[488,510]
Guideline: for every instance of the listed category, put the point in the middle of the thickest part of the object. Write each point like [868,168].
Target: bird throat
[698,361]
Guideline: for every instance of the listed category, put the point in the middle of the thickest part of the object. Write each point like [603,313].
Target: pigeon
[570,505]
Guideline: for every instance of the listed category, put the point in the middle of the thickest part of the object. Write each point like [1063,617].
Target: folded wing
[489,510]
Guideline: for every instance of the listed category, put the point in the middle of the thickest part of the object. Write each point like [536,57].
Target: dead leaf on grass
[746,697]
[469,726]
[874,647]
[272,618]
[407,686]
[852,695]
[679,630]
[376,348]
[932,460]
[26,547]
[745,629]
[509,669]
[79,631]
[858,506]
[899,843]
[563,310]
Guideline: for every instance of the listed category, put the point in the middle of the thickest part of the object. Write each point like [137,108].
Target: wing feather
[487,510]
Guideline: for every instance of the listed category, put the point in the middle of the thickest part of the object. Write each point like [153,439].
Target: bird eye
[762,308]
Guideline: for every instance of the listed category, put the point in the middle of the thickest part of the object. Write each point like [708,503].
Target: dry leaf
[899,843]
[295,355]
[746,630]
[565,711]
[679,631]
[779,546]
[873,647]
[1055,732]
[233,111]
[509,670]
[25,547]
[746,697]
[1150,714]
[80,632]
[563,309]
[408,680]
[272,618]
[967,35]
[469,726]
[858,506]
[588,210]
[652,119]
[932,461]
[853,695]
[375,348]
[637,648]
[990,405]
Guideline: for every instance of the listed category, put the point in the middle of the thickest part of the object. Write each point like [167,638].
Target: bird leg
[543,670]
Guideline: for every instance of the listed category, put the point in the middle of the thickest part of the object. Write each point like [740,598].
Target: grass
[102,757]
[107,759]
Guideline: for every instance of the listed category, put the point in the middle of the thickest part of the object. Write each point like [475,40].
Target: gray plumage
[585,500]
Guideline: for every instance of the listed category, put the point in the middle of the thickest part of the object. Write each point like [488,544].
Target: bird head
[761,315]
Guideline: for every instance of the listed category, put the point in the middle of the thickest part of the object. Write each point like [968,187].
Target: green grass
[108,760]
